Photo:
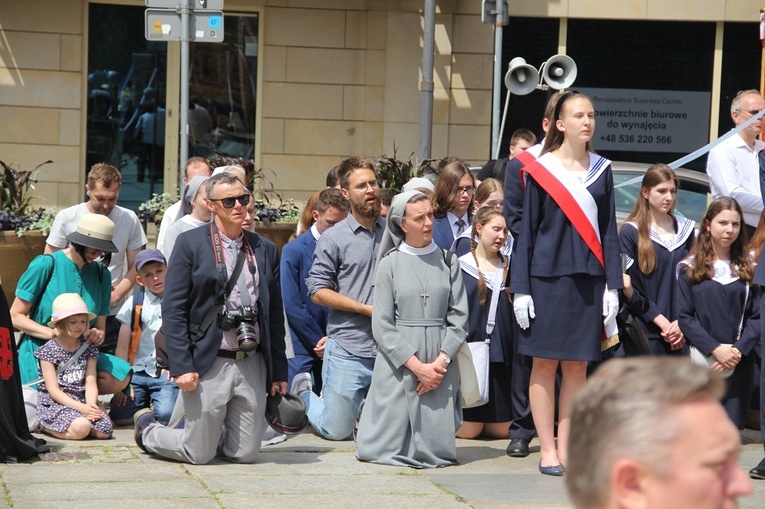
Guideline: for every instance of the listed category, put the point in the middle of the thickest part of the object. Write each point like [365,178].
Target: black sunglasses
[229,202]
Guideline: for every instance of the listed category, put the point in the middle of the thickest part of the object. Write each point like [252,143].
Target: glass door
[126,100]
[223,91]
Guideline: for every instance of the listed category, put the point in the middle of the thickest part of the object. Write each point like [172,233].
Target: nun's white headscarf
[393,234]
[189,193]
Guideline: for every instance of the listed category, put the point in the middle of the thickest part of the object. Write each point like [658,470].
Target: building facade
[299,84]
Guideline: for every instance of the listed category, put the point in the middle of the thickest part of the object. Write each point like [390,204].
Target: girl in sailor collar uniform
[484,271]
[654,241]
[712,296]
[559,274]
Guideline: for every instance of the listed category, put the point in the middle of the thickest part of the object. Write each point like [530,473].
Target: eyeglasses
[363,187]
[466,190]
[231,200]
[751,112]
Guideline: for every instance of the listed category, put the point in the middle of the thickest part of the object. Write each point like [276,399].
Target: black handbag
[631,334]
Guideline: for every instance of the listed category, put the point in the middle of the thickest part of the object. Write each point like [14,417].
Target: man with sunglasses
[224,329]
[733,167]
[341,278]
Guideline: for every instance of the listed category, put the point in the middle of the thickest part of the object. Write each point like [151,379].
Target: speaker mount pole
[498,24]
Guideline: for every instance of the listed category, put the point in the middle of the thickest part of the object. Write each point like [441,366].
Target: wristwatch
[445,358]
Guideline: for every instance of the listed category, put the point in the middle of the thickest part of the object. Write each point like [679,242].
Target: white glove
[523,305]
[610,305]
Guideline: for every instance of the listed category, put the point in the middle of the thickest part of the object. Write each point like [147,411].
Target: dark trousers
[522,425]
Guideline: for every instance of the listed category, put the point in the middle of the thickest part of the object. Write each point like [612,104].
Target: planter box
[278,233]
[15,254]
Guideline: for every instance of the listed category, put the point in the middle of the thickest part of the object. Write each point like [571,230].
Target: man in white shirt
[733,167]
[103,189]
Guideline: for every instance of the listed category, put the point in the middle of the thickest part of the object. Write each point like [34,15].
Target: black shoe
[518,448]
[758,472]
[142,419]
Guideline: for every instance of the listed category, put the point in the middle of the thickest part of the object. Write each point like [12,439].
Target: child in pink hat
[68,403]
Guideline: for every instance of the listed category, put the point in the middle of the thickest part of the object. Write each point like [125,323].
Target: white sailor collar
[468,265]
[723,273]
[598,165]
[684,228]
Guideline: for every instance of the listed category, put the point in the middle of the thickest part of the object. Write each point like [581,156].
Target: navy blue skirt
[569,318]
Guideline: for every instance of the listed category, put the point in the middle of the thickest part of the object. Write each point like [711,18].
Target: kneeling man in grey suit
[224,329]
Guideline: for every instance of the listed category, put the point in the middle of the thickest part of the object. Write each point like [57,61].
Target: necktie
[460,226]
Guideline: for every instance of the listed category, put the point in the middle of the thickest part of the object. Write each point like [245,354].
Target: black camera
[243,319]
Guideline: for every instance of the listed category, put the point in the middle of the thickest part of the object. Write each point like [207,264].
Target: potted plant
[151,211]
[393,173]
[24,228]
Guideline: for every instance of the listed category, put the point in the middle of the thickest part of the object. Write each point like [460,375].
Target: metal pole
[185,8]
[502,124]
[426,85]
[497,80]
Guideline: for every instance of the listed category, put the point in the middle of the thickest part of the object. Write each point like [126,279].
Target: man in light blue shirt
[342,278]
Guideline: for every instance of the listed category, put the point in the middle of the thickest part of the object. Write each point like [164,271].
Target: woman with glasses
[452,203]
[79,268]
[566,270]
[489,193]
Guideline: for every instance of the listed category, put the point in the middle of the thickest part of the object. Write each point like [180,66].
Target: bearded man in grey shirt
[341,278]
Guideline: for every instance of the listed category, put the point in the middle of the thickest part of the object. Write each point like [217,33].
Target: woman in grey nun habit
[419,321]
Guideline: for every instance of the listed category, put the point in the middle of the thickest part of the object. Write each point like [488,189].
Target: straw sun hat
[94,231]
[66,305]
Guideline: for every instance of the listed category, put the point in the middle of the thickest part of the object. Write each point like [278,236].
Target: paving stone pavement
[305,471]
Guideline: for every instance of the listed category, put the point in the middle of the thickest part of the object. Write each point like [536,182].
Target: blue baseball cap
[148,255]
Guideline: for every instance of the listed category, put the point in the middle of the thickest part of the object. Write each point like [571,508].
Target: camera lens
[246,337]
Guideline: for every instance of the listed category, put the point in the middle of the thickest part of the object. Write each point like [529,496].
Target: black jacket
[193,286]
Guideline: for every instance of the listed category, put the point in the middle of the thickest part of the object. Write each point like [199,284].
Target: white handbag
[470,395]
[480,350]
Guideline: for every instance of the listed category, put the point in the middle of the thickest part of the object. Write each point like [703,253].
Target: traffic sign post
[177,4]
[184,21]
[166,25]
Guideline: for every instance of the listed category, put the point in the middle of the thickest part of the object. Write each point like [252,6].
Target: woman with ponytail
[566,270]
[484,272]
[654,241]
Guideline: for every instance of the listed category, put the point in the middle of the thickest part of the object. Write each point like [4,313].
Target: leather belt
[237,355]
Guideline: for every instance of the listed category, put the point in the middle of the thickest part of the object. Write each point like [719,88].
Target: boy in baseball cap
[141,318]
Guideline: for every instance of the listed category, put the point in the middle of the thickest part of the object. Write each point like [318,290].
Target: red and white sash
[527,157]
[575,201]
[572,196]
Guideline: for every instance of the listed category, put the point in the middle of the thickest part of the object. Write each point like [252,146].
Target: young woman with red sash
[566,270]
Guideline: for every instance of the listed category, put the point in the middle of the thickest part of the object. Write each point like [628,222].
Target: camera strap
[244,294]
[220,264]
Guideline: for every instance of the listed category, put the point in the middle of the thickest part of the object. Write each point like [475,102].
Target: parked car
[692,200]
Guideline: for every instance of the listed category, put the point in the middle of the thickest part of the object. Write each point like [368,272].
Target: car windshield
[691,201]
